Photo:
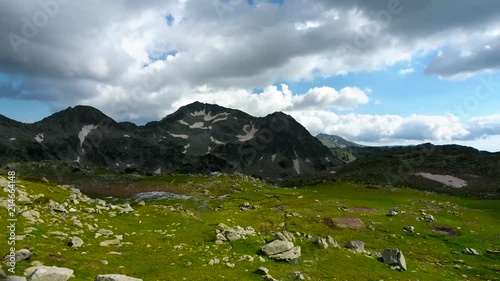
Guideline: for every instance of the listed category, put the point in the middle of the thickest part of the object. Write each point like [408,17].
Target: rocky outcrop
[226,233]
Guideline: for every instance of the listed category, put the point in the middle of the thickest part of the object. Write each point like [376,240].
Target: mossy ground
[174,240]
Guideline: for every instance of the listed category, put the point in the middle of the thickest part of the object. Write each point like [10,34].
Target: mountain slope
[410,167]
[196,138]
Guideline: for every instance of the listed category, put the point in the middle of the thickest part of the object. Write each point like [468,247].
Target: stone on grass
[321,242]
[20,255]
[116,277]
[276,247]
[50,273]
[394,257]
[262,271]
[75,242]
[107,243]
[356,246]
[471,251]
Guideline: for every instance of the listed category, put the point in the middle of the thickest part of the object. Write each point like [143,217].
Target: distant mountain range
[197,138]
[348,151]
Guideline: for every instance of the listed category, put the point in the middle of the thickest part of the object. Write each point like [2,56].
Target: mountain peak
[80,114]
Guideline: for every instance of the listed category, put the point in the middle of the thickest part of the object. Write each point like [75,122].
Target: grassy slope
[430,256]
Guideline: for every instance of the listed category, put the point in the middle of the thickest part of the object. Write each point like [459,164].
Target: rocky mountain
[334,141]
[348,151]
[453,169]
[196,138]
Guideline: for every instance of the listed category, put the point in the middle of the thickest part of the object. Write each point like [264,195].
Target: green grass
[161,225]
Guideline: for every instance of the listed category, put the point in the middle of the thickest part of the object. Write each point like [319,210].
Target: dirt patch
[56,257]
[434,208]
[361,209]
[345,222]
[446,230]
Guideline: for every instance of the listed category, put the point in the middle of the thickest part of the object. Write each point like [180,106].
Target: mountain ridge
[198,137]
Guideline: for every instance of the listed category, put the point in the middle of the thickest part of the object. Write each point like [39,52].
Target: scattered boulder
[392,213]
[409,228]
[429,218]
[331,242]
[213,261]
[394,257]
[276,247]
[113,242]
[50,273]
[471,251]
[282,250]
[226,233]
[262,271]
[75,242]
[246,207]
[20,255]
[321,242]
[116,277]
[356,246]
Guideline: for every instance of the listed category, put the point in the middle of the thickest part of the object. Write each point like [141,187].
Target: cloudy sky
[376,72]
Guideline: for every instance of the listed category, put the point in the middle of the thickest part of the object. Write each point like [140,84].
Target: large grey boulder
[276,247]
[292,254]
[116,277]
[50,273]
[356,246]
[394,257]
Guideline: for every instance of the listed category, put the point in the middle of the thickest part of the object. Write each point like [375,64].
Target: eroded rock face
[394,257]
[116,277]
[50,273]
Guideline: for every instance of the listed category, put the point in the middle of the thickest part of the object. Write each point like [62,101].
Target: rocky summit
[198,137]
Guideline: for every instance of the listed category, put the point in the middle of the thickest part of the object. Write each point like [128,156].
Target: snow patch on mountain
[84,132]
[183,122]
[250,133]
[178,136]
[216,141]
[296,166]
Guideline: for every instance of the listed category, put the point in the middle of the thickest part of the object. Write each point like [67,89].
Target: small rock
[409,228]
[322,243]
[471,251]
[116,277]
[107,243]
[75,242]
[20,255]
[392,213]
[262,271]
[429,218]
